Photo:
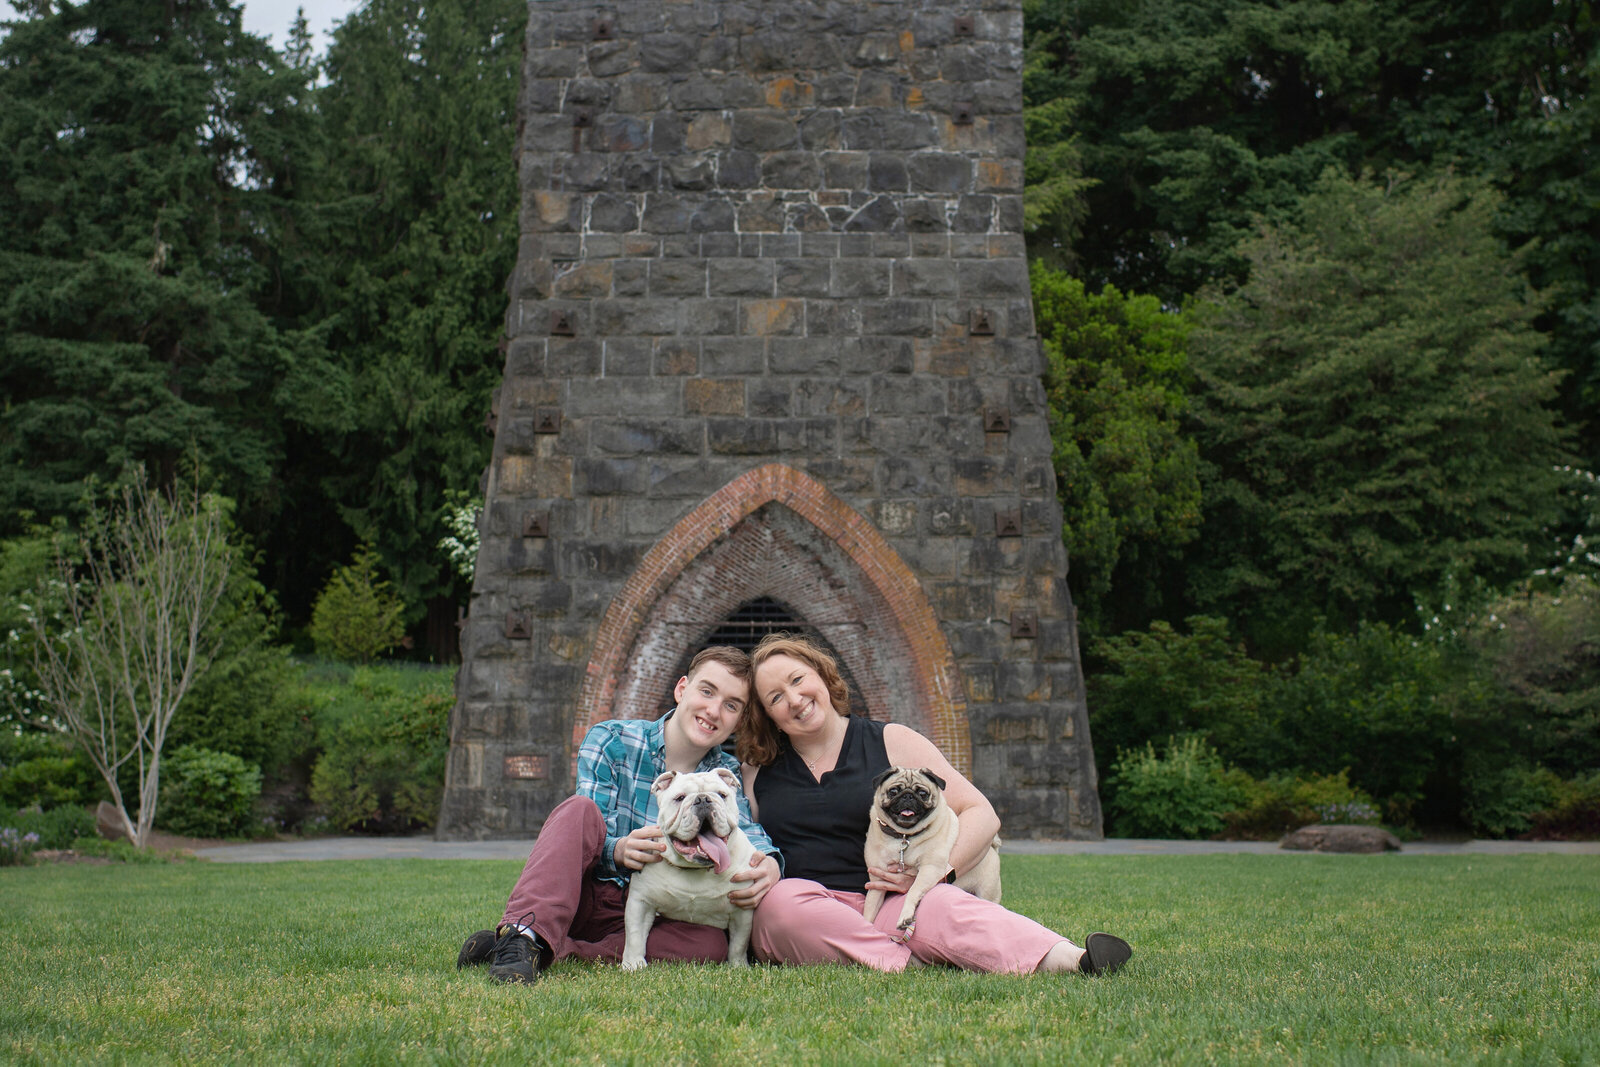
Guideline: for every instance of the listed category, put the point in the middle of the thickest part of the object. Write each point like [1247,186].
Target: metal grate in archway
[754,619]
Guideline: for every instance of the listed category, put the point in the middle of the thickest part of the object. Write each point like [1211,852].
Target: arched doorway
[776,534]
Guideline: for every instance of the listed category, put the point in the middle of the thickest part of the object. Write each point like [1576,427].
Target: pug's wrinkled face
[697,812]
[907,797]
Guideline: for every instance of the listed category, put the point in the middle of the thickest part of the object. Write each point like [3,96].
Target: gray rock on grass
[1339,838]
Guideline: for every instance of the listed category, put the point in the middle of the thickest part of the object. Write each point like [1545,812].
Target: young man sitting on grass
[569,899]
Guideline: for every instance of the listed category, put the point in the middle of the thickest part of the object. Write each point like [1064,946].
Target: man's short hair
[736,660]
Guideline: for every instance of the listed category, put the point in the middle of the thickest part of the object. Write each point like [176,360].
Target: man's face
[709,705]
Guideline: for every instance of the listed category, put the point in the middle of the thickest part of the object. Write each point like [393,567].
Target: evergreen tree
[1371,412]
[144,193]
[421,195]
[357,616]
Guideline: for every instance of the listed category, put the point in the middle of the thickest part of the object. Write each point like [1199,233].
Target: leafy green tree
[1371,411]
[421,230]
[29,589]
[1161,682]
[1126,472]
[1511,93]
[145,190]
[1192,117]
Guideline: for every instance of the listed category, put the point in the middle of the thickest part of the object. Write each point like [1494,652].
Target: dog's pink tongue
[717,849]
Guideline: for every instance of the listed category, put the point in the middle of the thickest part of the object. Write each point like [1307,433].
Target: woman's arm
[979,823]
[747,774]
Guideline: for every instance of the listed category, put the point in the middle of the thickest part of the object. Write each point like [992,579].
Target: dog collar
[904,837]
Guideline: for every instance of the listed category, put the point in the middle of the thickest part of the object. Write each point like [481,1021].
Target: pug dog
[699,813]
[911,824]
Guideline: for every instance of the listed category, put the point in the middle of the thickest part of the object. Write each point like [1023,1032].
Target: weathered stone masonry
[770,336]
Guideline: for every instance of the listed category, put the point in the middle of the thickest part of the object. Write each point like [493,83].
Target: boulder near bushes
[1341,838]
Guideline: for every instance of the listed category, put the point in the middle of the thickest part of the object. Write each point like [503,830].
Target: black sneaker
[518,957]
[476,950]
[1104,954]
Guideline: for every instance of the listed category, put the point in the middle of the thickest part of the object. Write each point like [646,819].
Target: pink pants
[800,921]
[580,915]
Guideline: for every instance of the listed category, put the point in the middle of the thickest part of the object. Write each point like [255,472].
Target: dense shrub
[245,706]
[206,793]
[1516,801]
[1280,803]
[57,828]
[1543,650]
[1575,812]
[1397,710]
[45,769]
[1400,716]
[1182,793]
[1160,683]
[385,746]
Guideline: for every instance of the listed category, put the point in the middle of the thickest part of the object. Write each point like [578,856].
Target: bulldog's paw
[633,965]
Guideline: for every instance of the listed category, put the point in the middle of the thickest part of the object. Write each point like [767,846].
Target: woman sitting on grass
[809,769]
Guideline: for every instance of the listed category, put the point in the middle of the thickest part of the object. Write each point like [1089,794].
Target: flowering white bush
[460,545]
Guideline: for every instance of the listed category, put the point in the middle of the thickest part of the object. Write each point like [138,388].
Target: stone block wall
[770,335]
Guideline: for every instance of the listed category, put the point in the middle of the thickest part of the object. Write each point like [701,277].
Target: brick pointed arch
[931,665]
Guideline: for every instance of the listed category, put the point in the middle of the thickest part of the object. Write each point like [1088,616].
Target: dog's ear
[728,777]
[884,777]
[934,778]
[663,783]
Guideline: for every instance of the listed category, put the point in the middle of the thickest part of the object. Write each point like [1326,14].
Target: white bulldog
[699,813]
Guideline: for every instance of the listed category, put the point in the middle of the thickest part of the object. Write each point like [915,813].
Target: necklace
[813,764]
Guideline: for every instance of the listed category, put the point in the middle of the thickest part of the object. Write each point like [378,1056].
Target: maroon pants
[580,915]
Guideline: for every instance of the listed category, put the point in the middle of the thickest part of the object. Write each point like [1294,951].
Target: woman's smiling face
[794,695]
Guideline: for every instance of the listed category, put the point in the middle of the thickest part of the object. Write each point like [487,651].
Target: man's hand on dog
[762,876]
[644,845]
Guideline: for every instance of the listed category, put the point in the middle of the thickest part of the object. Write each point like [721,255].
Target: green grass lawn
[1239,958]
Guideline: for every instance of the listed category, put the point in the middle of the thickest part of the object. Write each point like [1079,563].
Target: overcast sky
[271,18]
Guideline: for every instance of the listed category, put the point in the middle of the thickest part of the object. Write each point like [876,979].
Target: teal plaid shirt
[617,762]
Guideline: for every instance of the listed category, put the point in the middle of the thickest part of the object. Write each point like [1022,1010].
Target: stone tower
[771,345]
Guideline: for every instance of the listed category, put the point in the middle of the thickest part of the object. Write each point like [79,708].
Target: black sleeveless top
[822,826]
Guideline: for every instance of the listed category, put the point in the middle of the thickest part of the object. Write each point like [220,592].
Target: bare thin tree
[140,610]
